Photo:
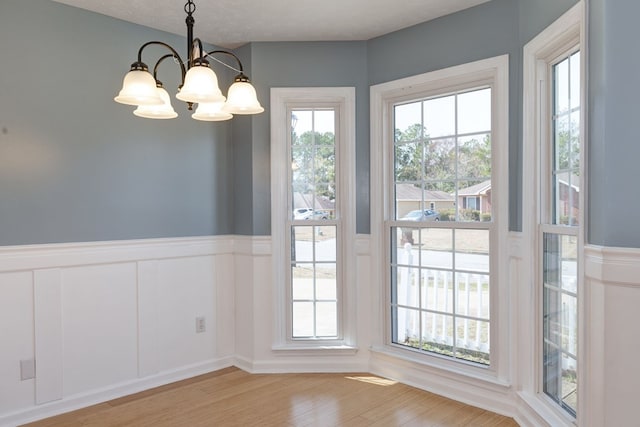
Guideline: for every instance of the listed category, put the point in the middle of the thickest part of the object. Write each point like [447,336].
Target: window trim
[565,35]
[495,72]
[282,100]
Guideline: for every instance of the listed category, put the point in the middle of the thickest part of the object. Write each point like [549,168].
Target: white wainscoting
[108,319]
[612,316]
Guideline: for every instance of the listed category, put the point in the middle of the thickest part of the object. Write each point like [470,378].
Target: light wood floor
[231,397]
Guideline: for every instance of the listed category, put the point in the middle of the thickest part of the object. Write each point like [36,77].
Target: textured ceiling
[231,23]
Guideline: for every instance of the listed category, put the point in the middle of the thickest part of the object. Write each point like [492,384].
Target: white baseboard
[72,403]
[477,390]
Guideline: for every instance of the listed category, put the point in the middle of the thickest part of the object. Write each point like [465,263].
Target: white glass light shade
[200,85]
[138,88]
[211,112]
[242,99]
[162,111]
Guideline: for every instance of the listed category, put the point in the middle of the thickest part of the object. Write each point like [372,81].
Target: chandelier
[199,84]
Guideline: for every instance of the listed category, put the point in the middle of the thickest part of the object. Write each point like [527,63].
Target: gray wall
[614,146]
[75,165]
[536,15]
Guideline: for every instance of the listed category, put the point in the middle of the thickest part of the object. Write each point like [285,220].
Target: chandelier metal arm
[169,55]
[174,53]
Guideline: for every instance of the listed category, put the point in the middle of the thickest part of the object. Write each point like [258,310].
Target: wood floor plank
[232,397]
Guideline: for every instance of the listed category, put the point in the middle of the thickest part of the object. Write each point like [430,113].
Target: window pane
[301,243]
[303,123]
[569,263]
[325,243]
[303,319]
[401,276]
[408,198]
[302,281]
[440,159]
[324,124]
[562,142]
[327,315]
[325,165]
[326,282]
[474,200]
[474,157]
[472,250]
[407,326]
[436,248]
[566,198]
[437,333]
[574,141]
[439,116]
[560,319]
[437,290]
[474,111]
[408,122]
[561,80]
[472,295]
[574,65]
[408,161]
[472,340]
[442,195]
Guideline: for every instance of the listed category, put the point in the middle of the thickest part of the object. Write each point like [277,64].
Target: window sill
[459,370]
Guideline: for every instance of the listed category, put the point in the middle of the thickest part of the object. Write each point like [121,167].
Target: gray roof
[411,192]
[307,201]
[476,190]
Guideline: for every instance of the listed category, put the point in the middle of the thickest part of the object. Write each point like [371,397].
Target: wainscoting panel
[47,309]
[106,319]
[16,340]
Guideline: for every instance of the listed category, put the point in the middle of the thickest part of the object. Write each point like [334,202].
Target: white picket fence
[437,305]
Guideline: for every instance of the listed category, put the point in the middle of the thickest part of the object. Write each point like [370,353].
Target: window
[314,230]
[445,140]
[441,283]
[313,225]
[553,218]
[472,203]
[559,234]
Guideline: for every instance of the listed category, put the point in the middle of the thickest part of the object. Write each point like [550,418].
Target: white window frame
[540,54]
[493,72]
[283,100]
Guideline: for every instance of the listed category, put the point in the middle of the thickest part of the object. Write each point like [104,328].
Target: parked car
[301,212]
[422,215]
[307,213]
